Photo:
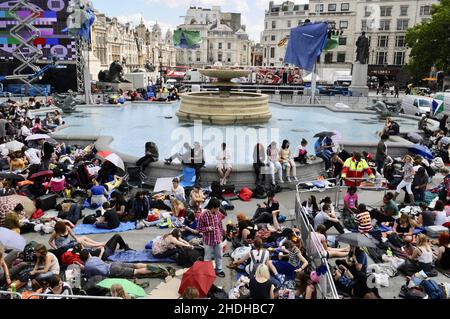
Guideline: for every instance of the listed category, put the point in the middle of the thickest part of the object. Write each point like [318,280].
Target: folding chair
[134,177]
[187,178]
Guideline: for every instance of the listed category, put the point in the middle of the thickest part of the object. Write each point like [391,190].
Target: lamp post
[160,59]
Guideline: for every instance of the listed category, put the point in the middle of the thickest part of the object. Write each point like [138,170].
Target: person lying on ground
[94,266]
[60,238]
[109,249]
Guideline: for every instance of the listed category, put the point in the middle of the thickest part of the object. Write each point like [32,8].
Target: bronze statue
[362,51]
[67,102]
[113,75]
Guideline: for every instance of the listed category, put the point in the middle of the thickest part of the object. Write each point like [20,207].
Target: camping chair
[134,177]
[187,178]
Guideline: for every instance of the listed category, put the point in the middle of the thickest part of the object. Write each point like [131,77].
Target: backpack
[245,194]
[260,192]
[90,219]
[412,293]
[187,257]
[396,240]
[432,289]
[28,252]
[258,262]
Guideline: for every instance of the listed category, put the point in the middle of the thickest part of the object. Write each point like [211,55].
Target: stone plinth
[359,80]
[115,86]
[238,108]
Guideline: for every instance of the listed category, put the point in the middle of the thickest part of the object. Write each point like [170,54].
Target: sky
[169,13]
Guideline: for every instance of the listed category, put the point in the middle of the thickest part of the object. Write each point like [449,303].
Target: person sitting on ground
[5,277]
[295,261]
[97,194]
[327,218]
[57,287]
[151,156]
[246,230]
[364,220]
[260,285]
[119,203]
[109,220]
[356,262]
[140,207]
[197,197]
[177,192]
[305,287]
[60,238]
[388,213]
[424,218]
[94,266]
[440,214]
[69,211]
[443,253]
[178,209]
[169,245]
[118,291]
[264,212]
[319,239]
[47,265]
[223,164]
[189,228]
[302,156]
[311,206]
[287,162]
[422,258]
[343,279]
[404,228]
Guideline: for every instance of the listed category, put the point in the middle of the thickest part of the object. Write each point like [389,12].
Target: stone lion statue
[113,75]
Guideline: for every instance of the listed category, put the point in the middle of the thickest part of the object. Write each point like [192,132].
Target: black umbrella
[356,240]
[12,177]
[325,134]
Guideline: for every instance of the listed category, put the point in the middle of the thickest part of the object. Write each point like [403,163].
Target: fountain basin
[214,108]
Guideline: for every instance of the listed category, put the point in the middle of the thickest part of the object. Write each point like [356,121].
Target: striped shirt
[214,235]
[364,222]
[293,257]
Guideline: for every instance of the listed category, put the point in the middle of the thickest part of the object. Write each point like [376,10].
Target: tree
[430,42]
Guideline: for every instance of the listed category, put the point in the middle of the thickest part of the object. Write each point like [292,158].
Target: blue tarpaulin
[306,43]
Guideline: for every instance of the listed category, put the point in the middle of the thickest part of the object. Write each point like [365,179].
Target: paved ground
[138,239]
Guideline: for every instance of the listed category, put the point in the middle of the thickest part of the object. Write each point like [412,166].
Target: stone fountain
[225,107]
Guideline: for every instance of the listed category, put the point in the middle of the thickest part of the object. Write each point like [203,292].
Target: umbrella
[324,134]
[129,287]
[116,160]
[201,276]
[104,154]
[44,174]
[422,151]
[12,177]
[36,137]
[11,240]
[356,240]
[14,146]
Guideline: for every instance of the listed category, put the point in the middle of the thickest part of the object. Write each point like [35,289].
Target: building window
[219,57]
[366,12]
[341,57]
[383,41]
[381,58]
[385,25]
[399,58]
[400,41]
[272,38]
[425,10]
[289,24]
[198,56]
[229,46]
[343,24]
[220,45]
[363,25]
[265,53]
[403,11]
[319,7]
[228,57]
[342,41]
[266,26]
[331,7]
[385,11]
[245,47]
[402,25]
[265,38]
[345,6]
[329,57]
[274,24]
[272,53]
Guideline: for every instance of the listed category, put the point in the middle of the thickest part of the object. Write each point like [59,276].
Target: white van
[416,105]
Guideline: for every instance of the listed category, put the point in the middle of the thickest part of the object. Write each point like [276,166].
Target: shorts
[121,270]
[224,166]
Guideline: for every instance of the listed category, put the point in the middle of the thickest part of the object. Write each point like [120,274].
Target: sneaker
[346,231]
[281,181]
[295,178]
[220,274]
[289,179]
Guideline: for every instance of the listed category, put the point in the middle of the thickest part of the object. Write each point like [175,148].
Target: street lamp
[160,59]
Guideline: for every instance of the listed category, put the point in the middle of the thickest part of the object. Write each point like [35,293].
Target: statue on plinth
[67,102]
[113,75]
[362,51]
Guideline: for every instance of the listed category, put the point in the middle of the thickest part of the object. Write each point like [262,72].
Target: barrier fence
[33,296]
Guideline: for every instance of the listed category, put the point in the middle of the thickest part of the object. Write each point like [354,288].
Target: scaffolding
[25,33]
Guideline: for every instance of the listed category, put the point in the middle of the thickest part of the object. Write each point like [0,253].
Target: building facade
[223,38]
[384,21]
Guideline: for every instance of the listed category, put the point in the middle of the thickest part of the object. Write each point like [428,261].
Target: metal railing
[72,296]
[379,184]
[3,292]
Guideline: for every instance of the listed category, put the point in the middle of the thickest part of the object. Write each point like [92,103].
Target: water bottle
[29,285]
[12,289]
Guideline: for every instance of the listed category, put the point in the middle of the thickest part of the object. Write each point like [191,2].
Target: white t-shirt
[25,131]
[441,218]
[321,218]
[33,155]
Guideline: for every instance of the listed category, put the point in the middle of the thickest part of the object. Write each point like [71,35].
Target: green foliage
[430,42]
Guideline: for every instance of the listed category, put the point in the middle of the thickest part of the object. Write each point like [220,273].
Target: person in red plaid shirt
[210,225]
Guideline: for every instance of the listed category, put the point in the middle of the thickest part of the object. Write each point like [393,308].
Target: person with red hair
[443,253]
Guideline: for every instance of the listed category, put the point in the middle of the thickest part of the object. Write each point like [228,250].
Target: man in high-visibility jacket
[355,167]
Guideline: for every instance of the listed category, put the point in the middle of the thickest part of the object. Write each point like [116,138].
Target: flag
[306,43]
[185,39]
[437,107]
[332,43]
